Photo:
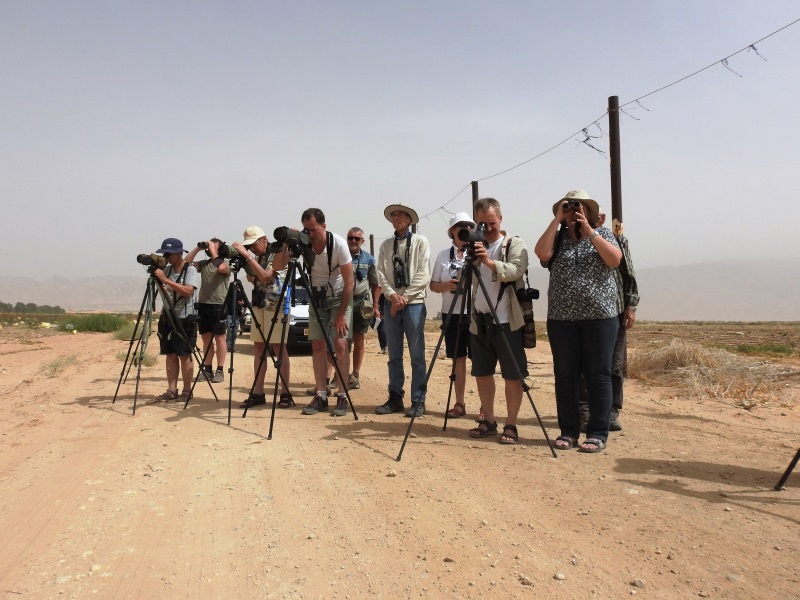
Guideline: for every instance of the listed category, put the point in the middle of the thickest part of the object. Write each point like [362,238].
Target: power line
[585,130]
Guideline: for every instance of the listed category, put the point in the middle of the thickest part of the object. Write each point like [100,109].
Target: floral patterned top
[582,286]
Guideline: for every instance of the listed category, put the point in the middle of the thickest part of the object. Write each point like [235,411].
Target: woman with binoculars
[582,315]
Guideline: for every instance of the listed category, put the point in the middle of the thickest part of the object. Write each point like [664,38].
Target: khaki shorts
[264,316]
[328,315]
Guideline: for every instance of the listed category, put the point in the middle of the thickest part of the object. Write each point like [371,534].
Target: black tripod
[145,320]
[293,272]
[788,472]
[462,290]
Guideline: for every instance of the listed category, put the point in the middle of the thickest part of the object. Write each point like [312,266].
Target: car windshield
[299,295]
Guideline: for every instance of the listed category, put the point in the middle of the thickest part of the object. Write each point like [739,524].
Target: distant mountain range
[751,290]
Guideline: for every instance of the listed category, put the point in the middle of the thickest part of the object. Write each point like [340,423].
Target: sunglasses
[354,238]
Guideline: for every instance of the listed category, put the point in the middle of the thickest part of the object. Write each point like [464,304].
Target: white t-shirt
[340,255]
[447,269]
[495,252]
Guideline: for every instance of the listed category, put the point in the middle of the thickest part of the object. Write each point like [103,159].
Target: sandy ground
[173,503]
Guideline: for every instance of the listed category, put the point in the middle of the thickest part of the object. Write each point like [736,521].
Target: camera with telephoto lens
[471,236]
[524,294]
[570,205]
[152,260]
[400,273]
[294,238]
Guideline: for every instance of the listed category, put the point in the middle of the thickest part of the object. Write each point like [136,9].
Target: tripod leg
[462,285]
[133,337]
[788,472]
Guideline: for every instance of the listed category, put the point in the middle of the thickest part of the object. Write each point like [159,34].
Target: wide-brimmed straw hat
[387,212]
[591,208]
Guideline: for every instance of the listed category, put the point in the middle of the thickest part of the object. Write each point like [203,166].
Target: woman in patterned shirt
[582,312]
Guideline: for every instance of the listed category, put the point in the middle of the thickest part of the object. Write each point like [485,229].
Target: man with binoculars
[403,274]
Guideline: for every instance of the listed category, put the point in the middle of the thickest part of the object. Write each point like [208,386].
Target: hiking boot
[218,377]
[614,424]
[352,381]
[254,400]
[393,405]
[208,373]
[341,406]
[417,410]
[317,404]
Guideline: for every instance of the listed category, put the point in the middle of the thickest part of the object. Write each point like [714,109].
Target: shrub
[710,373]
[147,361]
[103,323]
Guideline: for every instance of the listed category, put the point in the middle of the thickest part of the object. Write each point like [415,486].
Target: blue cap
[171,246]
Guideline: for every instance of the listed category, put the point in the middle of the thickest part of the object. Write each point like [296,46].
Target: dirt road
[174,503]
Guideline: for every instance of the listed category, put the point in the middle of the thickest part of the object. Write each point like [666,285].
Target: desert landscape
[174,503]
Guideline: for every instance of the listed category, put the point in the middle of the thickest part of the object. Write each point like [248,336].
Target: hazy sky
[123,123]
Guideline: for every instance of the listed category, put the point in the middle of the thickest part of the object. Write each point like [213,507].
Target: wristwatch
[593,235]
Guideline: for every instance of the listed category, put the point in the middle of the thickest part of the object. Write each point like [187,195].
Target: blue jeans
[583,347]
[410,322]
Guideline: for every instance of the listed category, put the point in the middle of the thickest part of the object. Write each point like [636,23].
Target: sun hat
[457,218]
[171,246]
[387,212]
[252,234]
[583,197]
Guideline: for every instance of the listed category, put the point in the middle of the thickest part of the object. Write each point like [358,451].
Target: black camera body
[401,278]
[527,294]
[291,237]
[152,260]
[471,236]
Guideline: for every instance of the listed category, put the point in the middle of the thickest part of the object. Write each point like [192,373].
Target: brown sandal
[459,410]
[165,397]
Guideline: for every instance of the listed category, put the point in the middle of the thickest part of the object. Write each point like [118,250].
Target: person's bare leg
[343,360]
[258,348]
[187,370]
[486,389]
[208,358]
[221,349]
[285,367]
[319,359]
[461,379]
[358,351]
[173,371]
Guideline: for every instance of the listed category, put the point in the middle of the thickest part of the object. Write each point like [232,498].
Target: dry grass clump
[54,367]
[703,372]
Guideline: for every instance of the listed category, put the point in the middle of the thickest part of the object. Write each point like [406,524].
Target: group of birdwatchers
[592,303]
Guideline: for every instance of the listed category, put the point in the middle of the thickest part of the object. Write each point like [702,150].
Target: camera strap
[507,284]
[181,280]
[557,244]
[408,247]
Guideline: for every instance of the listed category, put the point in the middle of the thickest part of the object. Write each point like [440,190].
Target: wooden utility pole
[475,196]
[616,166]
